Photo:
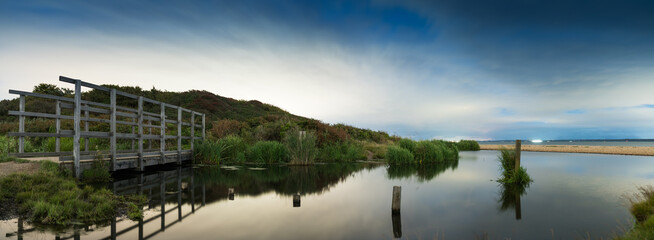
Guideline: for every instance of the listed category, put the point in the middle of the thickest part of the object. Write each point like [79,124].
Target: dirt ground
[640,151]
[8,168]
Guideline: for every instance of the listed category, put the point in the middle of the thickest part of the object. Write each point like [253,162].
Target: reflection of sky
[573,194]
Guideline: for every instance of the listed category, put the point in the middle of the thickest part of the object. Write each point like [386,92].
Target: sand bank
[640,151]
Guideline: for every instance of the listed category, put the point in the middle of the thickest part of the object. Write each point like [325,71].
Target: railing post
[179,135]
[77,112]
[133,131]
[150,133]
[58,126]
[86,128]
[112,127]
[202,127]
[140,135]
[162,144]
[21,124]
[192,130]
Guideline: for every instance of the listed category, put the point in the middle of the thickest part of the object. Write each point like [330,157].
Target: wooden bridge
[138,119]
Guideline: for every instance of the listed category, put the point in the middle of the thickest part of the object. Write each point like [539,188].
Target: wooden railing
[138,119]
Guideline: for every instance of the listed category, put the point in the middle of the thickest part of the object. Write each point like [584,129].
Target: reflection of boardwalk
[154,186]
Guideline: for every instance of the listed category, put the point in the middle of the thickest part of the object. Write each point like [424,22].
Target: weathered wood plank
[112,101]
[86,128]
[76,127]
[179,135]
[58,126]
[203,129]
[31,94]
[192,129]
[21,124]
[162,140]
[140,135]
[24,114]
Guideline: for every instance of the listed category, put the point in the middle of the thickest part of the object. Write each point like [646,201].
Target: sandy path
[640,151]
[7,168]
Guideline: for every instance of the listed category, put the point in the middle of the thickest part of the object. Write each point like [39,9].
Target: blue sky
[422,69]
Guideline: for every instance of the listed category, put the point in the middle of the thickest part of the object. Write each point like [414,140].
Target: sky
[448,69]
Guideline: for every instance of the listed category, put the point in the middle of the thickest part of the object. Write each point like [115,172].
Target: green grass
[98,173]
[468,145]
[301,146]
[51,198]
[424,152]
[207,152]
[267,152]
[642,208]
[399,155]
[341,152]
[509,175]
[233,149]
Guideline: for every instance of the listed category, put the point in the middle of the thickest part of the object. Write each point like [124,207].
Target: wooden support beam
[179,135]
[140,135]
[21,124]
[86,129]
[112,127]
[192,130]
[203,129]
[162,140]
[133,131]
[58,126]
[77,112]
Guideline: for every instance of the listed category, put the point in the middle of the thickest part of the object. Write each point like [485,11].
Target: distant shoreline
[616,150]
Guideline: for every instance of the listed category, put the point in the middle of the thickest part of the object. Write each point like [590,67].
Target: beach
[618,150]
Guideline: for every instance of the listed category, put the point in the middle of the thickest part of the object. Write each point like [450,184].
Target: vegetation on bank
[53,197]
[468,145]
[408,151]
[642,208]
[509,174]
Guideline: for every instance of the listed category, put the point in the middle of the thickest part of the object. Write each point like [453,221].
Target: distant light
[537,141]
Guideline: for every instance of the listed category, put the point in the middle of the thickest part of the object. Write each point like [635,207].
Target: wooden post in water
[77,112]
[397,197]
[296,200]
[58,126]
[21,124]
[230,194]
[518,144]
[112,128]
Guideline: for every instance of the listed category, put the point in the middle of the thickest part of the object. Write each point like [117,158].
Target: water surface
[574,195]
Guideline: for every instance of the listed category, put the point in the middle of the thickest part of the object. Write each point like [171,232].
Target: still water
[573,196]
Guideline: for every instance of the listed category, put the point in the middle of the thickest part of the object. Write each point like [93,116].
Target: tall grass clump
[233,149]
[450,149]
[642,208]
[341,152]
[399,155]
[48,197]
[301,146]
[468,145]
[407,144]
[509,175]
[267,152]
[207,152]
[427,152]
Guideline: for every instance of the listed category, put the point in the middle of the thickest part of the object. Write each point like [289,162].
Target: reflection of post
[192,192]
[179,193]
[20,228]
[230,194]
[397,224]
[397,197]
[518,208]
[204,194]
[76,235]
[296,200]
[163,201]
[113,229]
[140,229]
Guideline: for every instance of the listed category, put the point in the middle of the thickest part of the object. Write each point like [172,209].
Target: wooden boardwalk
[148,131]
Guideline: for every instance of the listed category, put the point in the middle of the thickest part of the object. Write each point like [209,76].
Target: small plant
[642,208]
[399,155]
[509,175]
[99,171]
[301,146]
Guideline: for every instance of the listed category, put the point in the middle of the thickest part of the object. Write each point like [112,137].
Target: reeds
[509,175]
[468,145]
[301,146]
[267,152]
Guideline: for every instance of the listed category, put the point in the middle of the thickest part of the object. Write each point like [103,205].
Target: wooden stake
[518,144]
[397,199]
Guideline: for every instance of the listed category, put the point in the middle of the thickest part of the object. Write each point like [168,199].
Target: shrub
[468,145]
[301,146]
[267,152]
[407,144]
[398,155]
